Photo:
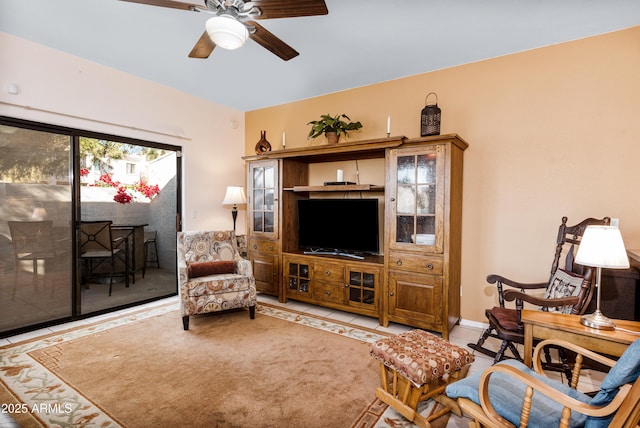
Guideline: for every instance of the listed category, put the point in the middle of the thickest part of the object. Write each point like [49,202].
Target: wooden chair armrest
[493,278]
[538,353]
[510,295]
[534,385]
[479,417]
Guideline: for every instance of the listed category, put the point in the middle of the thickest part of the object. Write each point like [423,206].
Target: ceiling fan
[233,22]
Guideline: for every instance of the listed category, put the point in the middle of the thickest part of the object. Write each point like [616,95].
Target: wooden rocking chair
[506,324]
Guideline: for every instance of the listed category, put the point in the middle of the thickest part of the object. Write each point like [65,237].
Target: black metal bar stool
[149,240]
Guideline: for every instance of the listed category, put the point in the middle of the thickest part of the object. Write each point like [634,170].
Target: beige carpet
[282,369]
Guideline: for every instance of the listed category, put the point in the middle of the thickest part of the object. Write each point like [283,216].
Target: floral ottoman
[415,366]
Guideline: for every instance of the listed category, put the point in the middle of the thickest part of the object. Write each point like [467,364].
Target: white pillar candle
[389,124]
[340,175]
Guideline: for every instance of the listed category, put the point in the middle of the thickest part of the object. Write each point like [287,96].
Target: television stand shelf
[335,281]
[334,253]
[339,188]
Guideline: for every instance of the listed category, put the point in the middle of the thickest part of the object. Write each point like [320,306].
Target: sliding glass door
[57,187]
[36,245]
[131,189]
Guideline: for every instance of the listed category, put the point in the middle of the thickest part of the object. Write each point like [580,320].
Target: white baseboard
[474,324]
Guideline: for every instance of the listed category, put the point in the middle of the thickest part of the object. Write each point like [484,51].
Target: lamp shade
[234,196]
[226,32]
[602,246]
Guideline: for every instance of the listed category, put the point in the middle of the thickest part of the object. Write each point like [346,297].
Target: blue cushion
[507,395]
[625,371]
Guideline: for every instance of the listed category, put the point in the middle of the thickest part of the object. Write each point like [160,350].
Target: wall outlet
[615,222]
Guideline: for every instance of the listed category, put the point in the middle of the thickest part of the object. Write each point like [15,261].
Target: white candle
[389,124]
[284,142]
[340,176]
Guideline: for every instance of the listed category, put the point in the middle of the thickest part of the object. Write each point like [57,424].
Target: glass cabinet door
[417,201]
[298,277]
[362,287]
[263,204]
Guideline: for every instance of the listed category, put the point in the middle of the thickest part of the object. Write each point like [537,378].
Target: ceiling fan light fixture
[227,32]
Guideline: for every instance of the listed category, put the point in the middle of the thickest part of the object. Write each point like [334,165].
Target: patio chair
[97,247]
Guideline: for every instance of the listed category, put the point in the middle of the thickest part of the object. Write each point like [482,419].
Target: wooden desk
[548,325]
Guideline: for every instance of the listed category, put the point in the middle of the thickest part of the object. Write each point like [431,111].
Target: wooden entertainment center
[416,279]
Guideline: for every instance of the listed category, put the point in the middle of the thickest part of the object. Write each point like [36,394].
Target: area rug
[282,369]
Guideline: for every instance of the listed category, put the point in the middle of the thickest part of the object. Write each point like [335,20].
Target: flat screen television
[338,226]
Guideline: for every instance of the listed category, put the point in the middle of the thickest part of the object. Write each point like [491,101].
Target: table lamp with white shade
[234,196]
[601,247]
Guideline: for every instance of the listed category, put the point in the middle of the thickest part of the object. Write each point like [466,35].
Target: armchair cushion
[215,284]
[507,394]
[506,317]
[216,267]
[626,370]
[564,284]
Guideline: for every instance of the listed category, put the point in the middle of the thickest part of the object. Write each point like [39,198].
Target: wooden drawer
[328,272]
[264,247]
[328,292]
[415,263]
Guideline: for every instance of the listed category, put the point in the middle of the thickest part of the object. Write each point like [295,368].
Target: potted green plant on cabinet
[332,127]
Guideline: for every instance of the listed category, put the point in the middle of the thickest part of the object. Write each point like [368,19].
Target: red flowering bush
[146,189]
[106,180]
[122,197]
[84,172]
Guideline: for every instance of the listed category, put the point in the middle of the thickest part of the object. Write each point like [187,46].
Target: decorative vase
[332,137]
[263,145]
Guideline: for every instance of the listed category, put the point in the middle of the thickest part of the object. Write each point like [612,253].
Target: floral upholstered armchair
[211,274]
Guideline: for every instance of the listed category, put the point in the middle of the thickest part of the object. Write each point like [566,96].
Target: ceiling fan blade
[169,3]
[203,47]
[270,42]
[288,8]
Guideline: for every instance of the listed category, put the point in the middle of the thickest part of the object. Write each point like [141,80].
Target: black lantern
[430,118]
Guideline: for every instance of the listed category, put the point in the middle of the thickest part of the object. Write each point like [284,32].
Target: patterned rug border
[53,402]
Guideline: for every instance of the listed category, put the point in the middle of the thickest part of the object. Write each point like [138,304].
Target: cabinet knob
[392,199]
[328,293]
[430,266]
[270,247]
[346,286]
[255,247]
[327,272]
[391,294]
[399,262]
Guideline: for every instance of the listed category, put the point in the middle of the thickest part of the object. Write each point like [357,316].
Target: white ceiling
[360,42]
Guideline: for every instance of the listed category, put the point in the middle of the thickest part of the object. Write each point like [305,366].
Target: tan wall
[552,132]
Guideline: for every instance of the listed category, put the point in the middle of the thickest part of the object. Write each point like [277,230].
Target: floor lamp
[601,247]
[234,196]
